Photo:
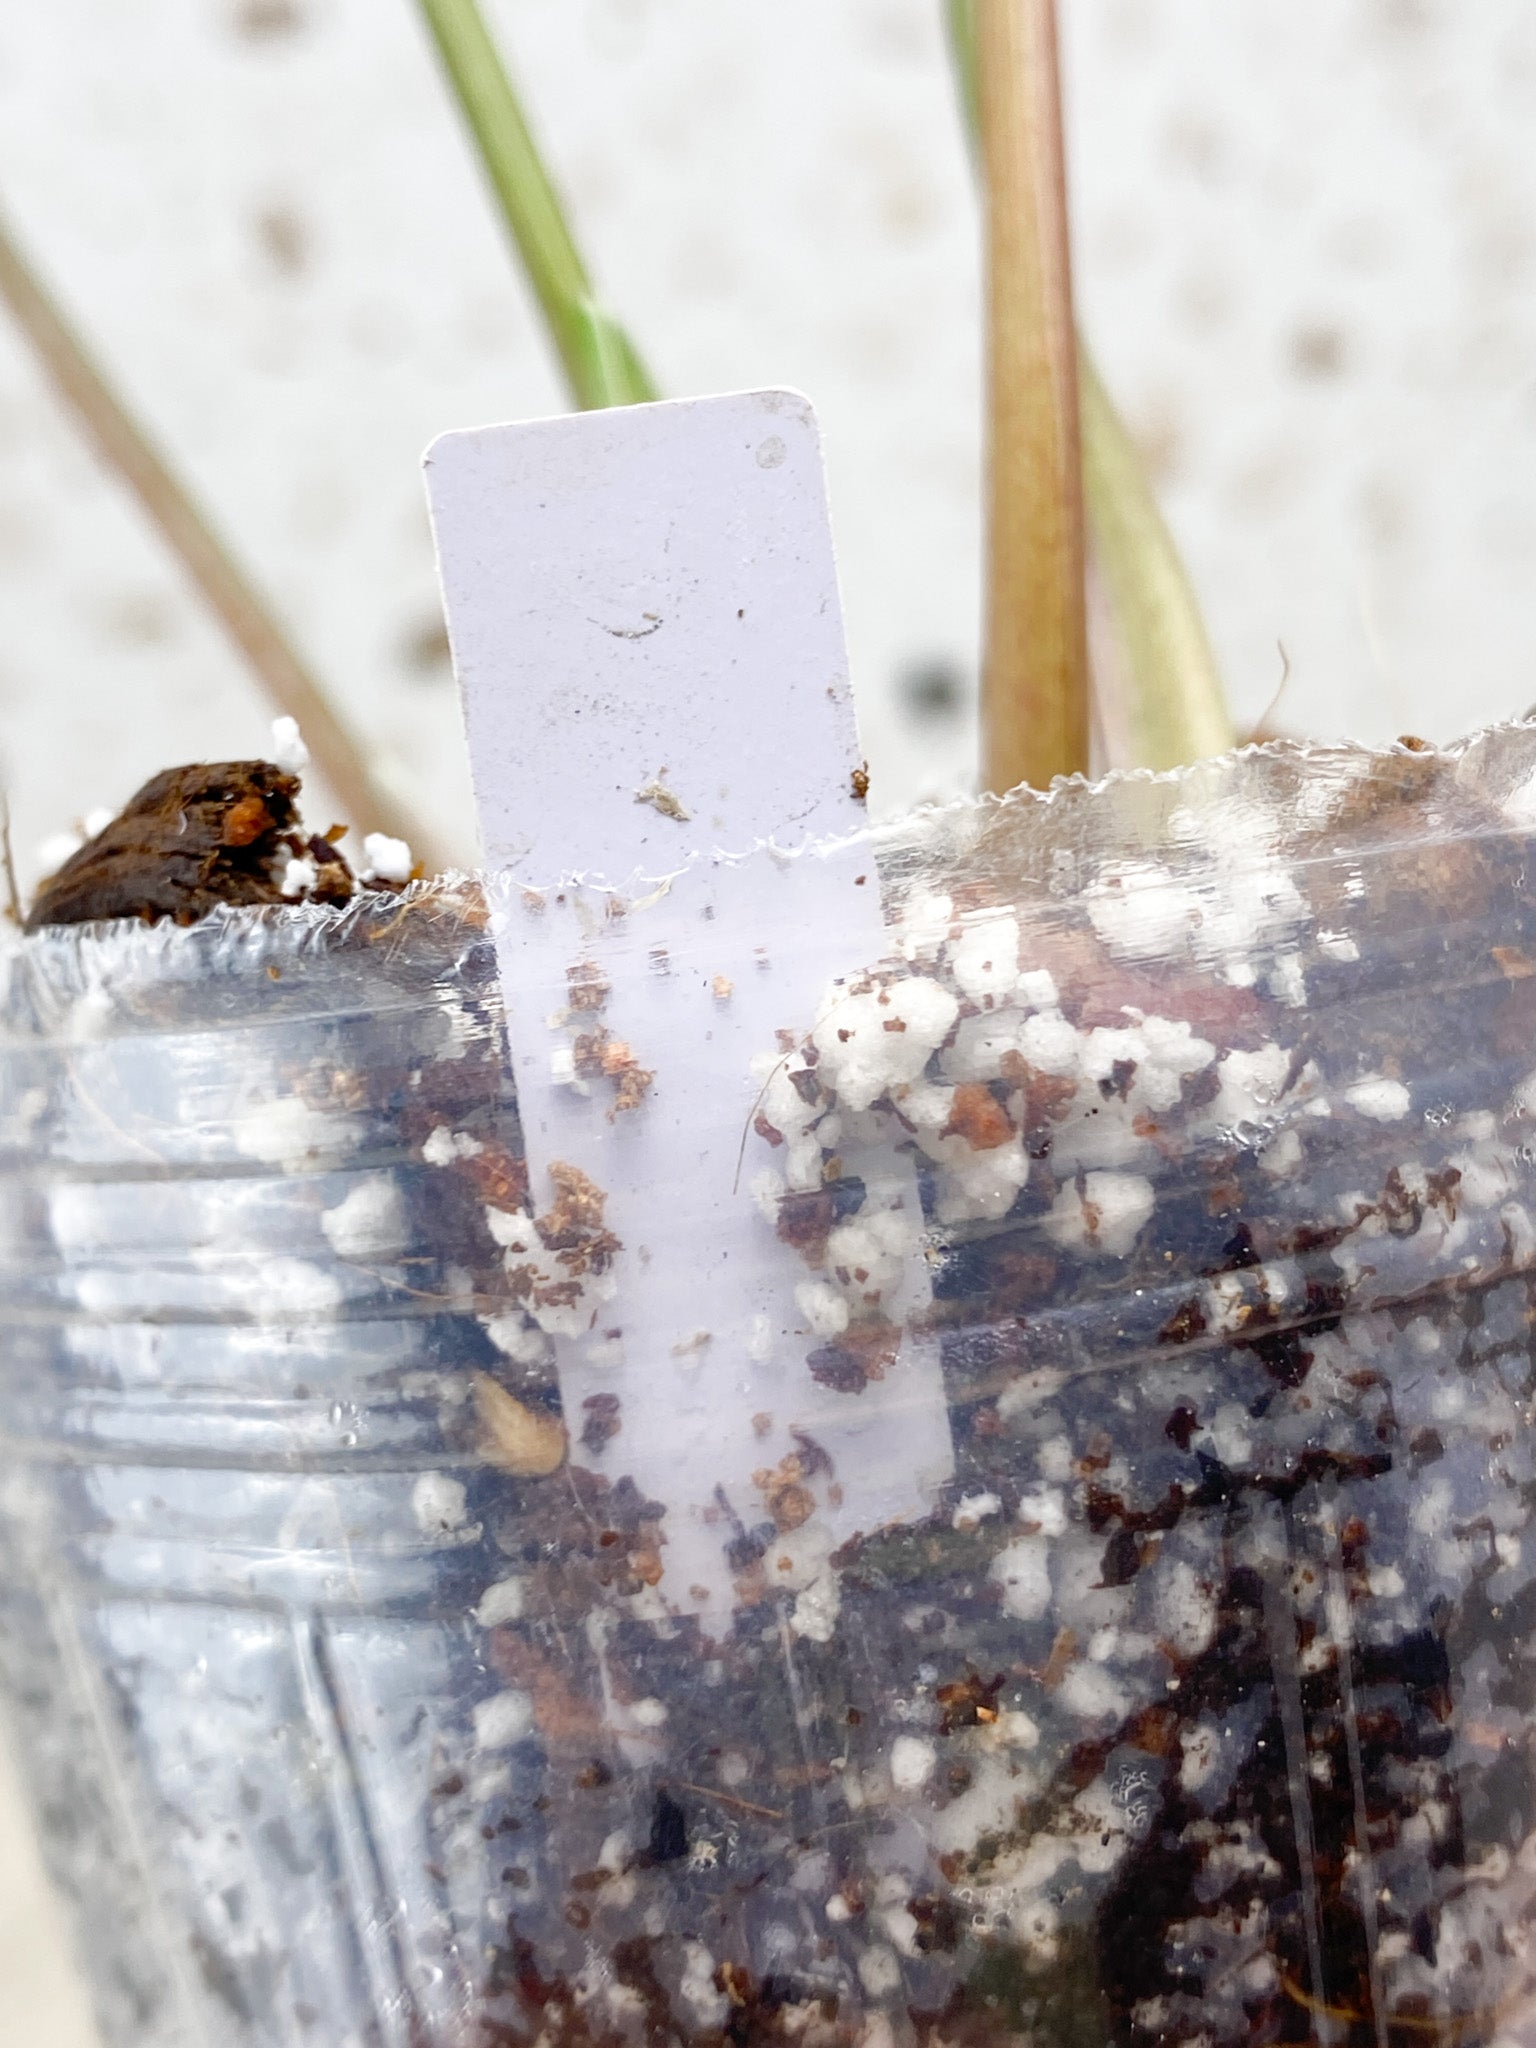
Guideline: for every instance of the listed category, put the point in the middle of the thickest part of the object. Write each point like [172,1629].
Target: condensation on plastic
[359,1706]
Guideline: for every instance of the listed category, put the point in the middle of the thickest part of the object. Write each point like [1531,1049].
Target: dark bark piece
[191,838]
[669,1830]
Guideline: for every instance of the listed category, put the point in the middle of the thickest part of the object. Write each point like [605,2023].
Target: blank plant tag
[645,623]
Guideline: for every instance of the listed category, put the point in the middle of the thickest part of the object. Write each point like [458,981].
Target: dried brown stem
[1035,685]
[12,893]
[126,447]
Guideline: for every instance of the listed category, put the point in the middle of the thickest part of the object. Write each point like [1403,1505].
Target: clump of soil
[192,838]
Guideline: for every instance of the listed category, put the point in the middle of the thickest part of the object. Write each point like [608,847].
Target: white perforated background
[1307,258]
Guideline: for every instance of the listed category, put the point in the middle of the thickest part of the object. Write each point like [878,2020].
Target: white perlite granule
[386,859]
[860,1058]
[517,1338]
[823,1307]
[502,1720]
[1088,1691]
[500,1603]
[912,1762]
[1384,1101]
[1186,1610]
[286,746]
[439,1503]
[697,1987]
[51,853]
[817,1607]
[443,1146]
[880,1972]
[286,1132]
[1105,1214]
[1022,1569]
[369,1220]
[293,1288]
[985,958]
[299,877]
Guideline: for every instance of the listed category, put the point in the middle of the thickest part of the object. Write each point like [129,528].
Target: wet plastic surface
[1183,1140]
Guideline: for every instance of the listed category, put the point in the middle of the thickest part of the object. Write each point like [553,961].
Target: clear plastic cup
[358,1700]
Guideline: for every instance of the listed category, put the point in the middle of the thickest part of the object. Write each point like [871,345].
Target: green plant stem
[960,18]
[601,365]
[125,445]
[1177,709]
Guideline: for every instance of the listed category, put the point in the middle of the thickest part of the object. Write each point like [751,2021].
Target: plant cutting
[754,1428]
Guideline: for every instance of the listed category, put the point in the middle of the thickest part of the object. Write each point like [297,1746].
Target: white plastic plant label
[645,623]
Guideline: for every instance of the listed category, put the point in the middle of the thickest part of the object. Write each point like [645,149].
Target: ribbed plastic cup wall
[357,1703]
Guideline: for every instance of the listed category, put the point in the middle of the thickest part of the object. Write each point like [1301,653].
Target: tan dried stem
[1035,680]
[126,447]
